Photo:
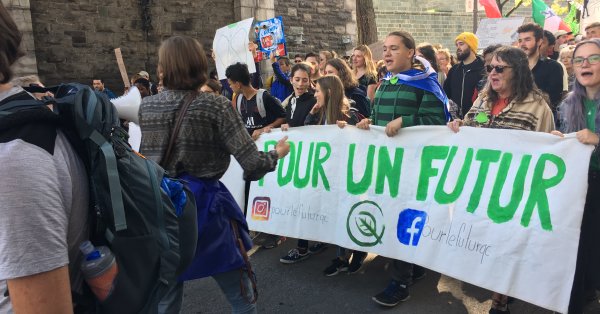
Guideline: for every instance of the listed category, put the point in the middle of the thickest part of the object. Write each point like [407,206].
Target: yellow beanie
[469,39]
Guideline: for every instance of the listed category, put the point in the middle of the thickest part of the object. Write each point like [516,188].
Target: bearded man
[461,85]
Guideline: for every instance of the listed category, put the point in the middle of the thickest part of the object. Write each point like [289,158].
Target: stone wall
[75,40]
[19,10]
[433,21]
[314,25]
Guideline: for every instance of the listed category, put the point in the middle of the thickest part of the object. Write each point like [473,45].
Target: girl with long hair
[340,68]
[211,132]
[580,114]
[330,107]
[364,70]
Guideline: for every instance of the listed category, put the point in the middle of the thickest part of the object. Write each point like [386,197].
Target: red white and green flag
[491,8]
[546,18]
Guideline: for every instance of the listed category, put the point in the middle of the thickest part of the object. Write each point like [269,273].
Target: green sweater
[399,100]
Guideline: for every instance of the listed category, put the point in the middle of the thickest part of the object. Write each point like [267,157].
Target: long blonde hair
[369,64]
[336,105]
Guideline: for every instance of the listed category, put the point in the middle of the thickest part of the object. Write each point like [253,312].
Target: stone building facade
[75,40]
[433,21]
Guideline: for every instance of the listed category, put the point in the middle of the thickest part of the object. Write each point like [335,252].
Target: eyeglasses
[593,59]
[498,68]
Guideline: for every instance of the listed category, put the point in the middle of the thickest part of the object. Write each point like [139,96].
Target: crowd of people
[544,82]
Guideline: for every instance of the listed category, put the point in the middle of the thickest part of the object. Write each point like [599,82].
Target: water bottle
[99,269]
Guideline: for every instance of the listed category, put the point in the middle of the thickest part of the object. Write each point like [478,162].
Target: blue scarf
[425,80]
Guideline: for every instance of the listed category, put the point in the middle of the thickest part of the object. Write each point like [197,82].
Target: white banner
[499,209]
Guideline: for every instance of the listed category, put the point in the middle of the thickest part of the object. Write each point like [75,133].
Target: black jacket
[304,104]
[462,82]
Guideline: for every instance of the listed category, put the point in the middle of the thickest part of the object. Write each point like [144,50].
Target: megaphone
[128,105]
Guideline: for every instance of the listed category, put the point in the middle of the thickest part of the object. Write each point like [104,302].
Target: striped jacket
[414,105]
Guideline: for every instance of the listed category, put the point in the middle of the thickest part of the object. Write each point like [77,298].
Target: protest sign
[121,65]
[498,31]
[500,209]
[230,45]
[270,37]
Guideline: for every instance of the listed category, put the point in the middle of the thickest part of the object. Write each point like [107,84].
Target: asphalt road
[302,288]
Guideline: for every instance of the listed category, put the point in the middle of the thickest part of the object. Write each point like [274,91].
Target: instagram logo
[261,208]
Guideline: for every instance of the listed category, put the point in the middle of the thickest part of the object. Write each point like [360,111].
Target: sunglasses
[593,59]
[498,68]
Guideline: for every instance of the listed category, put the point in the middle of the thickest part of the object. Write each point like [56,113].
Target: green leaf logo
[362,224]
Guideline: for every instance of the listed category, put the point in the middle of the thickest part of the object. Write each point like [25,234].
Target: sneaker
[294,256]
[337,266]
[393,294]
[317,248]
[273,241]
[357,262]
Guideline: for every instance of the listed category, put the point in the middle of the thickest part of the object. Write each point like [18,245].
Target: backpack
[260,103]
[147,219]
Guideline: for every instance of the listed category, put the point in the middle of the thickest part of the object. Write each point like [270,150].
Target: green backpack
[147,219]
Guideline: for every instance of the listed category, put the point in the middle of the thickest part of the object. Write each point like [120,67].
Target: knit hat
[469,39]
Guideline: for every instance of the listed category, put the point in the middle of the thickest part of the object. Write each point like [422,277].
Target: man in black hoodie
[461,83]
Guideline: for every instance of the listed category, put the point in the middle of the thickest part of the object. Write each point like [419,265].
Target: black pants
[587,270]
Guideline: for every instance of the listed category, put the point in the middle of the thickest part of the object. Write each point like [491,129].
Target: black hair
[538,31]
[300,67]
[285,59]
[491,49]
[550,37]
[311,54]
[144,82]
[238,72]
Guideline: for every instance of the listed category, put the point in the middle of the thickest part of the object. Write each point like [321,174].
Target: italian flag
[546,18]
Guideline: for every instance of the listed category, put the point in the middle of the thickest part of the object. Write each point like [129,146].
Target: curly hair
[522,83]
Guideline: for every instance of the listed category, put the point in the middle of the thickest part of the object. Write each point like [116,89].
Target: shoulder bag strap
[177,125]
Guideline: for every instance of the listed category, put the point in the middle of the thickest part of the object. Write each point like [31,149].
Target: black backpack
[152,238]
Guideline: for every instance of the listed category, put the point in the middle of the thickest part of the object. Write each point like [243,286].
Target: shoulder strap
[238,100]
[260,103]
[286,101]
[176,126]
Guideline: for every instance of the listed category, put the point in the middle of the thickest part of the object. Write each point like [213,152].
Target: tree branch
[513,9]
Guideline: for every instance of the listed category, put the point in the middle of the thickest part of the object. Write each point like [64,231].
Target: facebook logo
[410,226]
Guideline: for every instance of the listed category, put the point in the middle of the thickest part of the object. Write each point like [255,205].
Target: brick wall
[75,40]
[324,24]
[433,21]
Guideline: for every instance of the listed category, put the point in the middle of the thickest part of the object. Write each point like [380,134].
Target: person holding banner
[211,132]
[301,101]
[352,90]
[579,113]
[510,100]
[333,107]
[407,97]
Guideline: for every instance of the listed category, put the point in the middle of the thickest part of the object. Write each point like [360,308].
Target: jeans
[587,272]
[230,285]
[402,272]
[229,282]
